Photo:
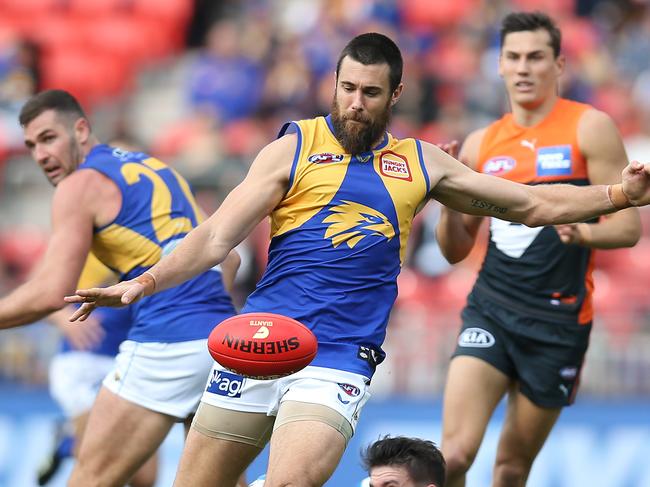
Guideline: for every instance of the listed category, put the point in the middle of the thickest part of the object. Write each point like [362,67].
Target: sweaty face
[529,68]
[51,141]
[362,103]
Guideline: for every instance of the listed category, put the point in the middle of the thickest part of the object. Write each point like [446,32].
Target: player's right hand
[120,294]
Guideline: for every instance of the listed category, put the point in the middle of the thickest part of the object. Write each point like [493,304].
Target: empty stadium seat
[31,6]
[87,75]
[97,8]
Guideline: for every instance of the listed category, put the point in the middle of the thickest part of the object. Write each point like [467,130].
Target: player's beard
[357,138]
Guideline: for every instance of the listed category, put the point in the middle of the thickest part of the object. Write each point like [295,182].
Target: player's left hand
[574,233]
[636,183]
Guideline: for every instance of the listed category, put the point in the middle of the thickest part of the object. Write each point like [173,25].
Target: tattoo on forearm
[484,205]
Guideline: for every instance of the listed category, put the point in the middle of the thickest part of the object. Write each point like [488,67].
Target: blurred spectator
[19,79]
[225,81]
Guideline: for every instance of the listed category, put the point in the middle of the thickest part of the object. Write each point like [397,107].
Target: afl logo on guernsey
[325,158]
[350,222]
[395,166]
[495,166]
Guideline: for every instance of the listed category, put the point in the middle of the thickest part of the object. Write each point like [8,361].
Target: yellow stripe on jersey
[121,247]
[314,184]
[95,273]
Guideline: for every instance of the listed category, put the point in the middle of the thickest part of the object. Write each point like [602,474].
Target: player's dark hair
[373,48]
[531,21]
[58,100]
[421,458]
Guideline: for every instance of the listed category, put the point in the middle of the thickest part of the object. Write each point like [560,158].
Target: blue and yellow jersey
[116,322]
[157,211]
[338,239]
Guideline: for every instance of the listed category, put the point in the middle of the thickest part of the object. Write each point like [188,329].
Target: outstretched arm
[462,189]
[58,272]
[208,244]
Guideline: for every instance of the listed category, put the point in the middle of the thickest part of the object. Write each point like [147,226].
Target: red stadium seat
[22,247]
[132,38]
[173,11]
[171,17]
[36,7]
[55,32]
[554,8]
[86,74]
[97,8]
[424,14]
[8,33]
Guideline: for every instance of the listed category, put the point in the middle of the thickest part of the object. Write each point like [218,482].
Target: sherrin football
[262,345]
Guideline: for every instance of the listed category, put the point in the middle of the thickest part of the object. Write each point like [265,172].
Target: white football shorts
[345,392]
[168,378]
[75,379]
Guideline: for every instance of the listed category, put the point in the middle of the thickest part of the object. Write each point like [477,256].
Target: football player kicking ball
[527,321]
[342,193]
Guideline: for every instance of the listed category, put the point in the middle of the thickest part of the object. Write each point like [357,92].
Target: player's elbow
[539,212]
[52,300]
[631,236]
[51,304]
[533,220]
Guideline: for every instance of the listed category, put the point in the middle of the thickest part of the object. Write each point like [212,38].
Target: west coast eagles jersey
[338,239]
[157,211]
[530,269]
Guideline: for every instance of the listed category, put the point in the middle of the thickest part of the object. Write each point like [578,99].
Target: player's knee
[458,457]
[510,474]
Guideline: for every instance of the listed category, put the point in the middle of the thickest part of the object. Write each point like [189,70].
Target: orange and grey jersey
[530,269]
[338,239]
[157,211]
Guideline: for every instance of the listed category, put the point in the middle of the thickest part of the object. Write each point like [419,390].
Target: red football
[262,345]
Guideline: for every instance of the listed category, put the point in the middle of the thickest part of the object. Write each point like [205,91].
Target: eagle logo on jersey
[350,222]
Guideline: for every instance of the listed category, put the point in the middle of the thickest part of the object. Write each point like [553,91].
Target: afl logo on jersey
[351,222]
[476,338]
[499,165]
[395,166]
[325,158]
